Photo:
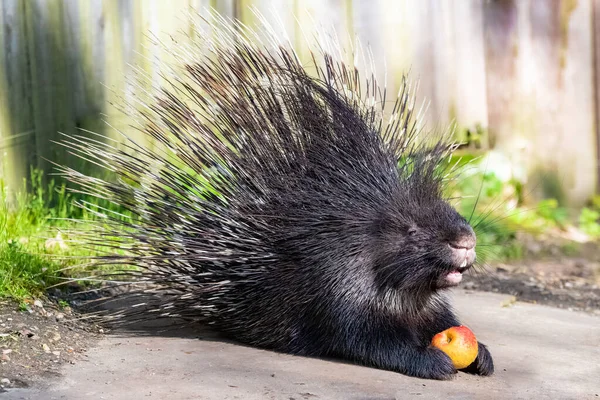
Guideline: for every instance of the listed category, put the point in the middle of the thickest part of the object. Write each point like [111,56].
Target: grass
[33,240]
[24,270]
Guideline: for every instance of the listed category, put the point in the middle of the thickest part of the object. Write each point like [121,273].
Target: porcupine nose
[464,249]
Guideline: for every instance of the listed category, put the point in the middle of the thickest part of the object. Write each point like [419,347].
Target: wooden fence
[523,72]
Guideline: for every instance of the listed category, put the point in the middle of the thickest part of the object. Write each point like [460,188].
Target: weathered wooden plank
[596,50]
[466,100]
[52,106]
[369,30]
[574,151]
[17,139]
[500,19]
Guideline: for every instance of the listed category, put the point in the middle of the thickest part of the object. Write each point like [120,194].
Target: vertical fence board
[502,48]
[50,79]
[467,101]
[596,50]
[367,23]
[17,133]
[575,151]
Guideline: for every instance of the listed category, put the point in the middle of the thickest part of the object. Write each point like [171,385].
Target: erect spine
[236,128]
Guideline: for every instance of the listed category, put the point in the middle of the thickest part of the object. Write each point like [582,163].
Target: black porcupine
[284,209]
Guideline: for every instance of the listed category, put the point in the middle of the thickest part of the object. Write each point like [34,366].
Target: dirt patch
[35,341]
[563,282]
[556,270]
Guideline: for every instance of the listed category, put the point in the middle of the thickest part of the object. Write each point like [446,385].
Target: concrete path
[540,353]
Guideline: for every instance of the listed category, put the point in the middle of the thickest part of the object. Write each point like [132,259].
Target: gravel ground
[34,343]
[559,281]
[555,270]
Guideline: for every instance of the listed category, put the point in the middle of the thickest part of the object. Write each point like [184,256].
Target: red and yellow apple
[459,343]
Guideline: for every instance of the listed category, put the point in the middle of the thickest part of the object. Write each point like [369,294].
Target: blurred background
[520,78]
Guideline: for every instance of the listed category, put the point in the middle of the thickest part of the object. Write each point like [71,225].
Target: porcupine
[284,208]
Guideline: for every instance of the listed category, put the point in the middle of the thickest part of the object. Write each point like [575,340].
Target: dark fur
[324,231]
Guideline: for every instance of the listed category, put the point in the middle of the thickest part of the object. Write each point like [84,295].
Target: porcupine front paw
[483,364]
[431,363]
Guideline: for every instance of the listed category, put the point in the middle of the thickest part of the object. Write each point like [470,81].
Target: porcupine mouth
[462,257]
[454,277]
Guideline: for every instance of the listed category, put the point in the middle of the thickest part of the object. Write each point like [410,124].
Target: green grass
[28,262]
[24,270]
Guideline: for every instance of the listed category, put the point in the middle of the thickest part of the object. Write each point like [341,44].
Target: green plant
[589,218]
[23,268]
[589,221]
[29,261]
[551,212]
[495,208]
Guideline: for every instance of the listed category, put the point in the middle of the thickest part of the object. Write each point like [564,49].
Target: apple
[459,343]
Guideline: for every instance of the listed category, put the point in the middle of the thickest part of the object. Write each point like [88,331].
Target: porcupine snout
[463,248]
